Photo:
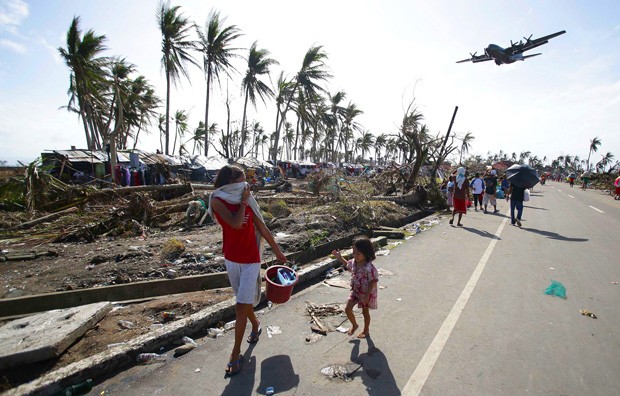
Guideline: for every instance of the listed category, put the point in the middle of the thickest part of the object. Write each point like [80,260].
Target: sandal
[234,367]
[254,336]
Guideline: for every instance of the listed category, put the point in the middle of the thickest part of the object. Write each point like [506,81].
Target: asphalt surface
[462,311]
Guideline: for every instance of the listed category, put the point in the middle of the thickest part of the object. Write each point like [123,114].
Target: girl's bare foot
[363,334]
[352,330]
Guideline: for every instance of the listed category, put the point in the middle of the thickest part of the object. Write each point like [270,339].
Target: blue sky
[378,52]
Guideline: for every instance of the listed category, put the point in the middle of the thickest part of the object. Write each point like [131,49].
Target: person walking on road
[478,188]
[364,278]
[516,195]
[461,192]
[490,183]
[450,192]
[234,208]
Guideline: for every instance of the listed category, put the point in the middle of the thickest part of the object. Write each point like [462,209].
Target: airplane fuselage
[500,55]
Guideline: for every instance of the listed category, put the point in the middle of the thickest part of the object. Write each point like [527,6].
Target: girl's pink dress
[360,279]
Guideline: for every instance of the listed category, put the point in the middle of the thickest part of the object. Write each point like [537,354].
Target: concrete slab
[46,335]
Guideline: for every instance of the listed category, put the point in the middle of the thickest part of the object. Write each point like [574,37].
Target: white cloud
[12,13]
[12,45]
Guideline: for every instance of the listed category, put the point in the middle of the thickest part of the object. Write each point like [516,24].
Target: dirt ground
[143,256]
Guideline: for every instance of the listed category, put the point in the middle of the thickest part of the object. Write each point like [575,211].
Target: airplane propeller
[527,40]
[473,55]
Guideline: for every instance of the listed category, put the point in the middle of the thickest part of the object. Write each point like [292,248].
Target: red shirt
[239,245]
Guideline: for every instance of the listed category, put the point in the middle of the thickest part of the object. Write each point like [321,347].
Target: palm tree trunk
[243,129]
[167,111]
[207,111]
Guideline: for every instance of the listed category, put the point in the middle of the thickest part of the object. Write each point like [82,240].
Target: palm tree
[82,56]
[595,143]
[180,122]
[198,137]
[466,145]
[217,53]
[365,142]
[175,46]
[312,71]
[380,142]
[258,65]
[349,125]
[605,160]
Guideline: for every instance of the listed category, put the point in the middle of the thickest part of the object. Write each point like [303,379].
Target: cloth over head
[460,176]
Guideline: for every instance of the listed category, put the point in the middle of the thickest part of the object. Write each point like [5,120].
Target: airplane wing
[529,44]
[476,58]
[529,56]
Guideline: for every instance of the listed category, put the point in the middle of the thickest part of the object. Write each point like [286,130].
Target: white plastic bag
[526,195]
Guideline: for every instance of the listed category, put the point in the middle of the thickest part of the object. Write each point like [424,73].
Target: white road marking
[571,196]
[421,373]
[598,210]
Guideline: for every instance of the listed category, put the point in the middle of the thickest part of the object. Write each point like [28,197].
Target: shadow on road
[377,375]
[533,207]
[555,235]
[485,234]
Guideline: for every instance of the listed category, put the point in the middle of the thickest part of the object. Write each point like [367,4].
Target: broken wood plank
[53,216]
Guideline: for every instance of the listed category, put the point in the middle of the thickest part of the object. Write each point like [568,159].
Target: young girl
[237,212]
[364,278]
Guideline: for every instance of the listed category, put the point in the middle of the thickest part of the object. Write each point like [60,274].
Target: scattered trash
[313,338]
[585,312]
[382,252]
[150,358]
[342,329]
[551,268]
[79,389]
[187,340]
[183,349]
[269,390]
[417,229]
[110,346]
[556,289]
[332,272]
[384,272]
[167,315]
[197,370]
[399,299]
[125,324]
[614,283]
[230,325]
[381,287]
[273,330]
[338,282]
[171,273]
[214,333]
[336,371]
[156,326]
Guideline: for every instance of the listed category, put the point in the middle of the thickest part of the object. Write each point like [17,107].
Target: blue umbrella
[522,175]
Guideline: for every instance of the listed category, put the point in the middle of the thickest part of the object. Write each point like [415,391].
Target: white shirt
[477,185]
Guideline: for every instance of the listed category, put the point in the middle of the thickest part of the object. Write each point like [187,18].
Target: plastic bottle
[269,390]
[79,389]
[187,340]
[150,357]
[125,324]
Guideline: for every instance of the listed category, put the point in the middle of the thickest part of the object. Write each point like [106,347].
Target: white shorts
[244,280]
[489,198]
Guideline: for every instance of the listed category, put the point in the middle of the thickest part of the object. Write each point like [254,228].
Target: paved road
[462,313]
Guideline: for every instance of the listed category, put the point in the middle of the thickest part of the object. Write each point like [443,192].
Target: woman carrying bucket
[234,208]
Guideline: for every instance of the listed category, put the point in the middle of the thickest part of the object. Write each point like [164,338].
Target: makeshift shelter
[76,165]
[206,168]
